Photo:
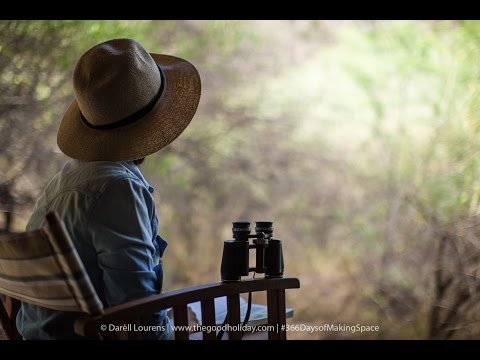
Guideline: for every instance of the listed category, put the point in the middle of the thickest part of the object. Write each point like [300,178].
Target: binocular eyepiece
[269,255]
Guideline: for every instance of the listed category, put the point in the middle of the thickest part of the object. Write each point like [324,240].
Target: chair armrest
[132,310]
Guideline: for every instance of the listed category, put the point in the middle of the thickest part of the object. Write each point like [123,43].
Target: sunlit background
[360,140]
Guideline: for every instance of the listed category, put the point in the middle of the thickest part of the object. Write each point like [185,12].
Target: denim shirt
[109,212]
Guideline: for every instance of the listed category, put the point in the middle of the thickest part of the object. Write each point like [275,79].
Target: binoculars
[269,255]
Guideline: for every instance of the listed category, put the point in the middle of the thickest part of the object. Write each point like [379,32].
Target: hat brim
[163,124]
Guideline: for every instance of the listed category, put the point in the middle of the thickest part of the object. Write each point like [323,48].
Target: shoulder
[102,170]
[115,182]
[98,176]
[118,183]
[122,196]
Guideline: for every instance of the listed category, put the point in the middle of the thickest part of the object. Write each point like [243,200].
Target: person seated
[128,104]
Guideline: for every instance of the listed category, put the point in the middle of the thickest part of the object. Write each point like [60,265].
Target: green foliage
[359,139]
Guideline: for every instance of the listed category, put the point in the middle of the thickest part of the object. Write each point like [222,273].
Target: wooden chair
[8,307]
[75,293]
[43,268]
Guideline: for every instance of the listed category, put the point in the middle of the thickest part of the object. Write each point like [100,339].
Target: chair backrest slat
[276,314]
[180,318]
[9,308]
[233,306]
[208,318]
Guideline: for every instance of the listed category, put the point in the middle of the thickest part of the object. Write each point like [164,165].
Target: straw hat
[128,103]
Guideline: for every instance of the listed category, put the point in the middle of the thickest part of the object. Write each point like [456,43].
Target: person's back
[109,211]
[129,104]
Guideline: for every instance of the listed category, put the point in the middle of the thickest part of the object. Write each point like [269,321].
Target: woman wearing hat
[128,104]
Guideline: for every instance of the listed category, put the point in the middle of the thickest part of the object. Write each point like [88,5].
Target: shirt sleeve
[121,230]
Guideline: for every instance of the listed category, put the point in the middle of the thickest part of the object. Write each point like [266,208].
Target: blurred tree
[359,139]
[36,62]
